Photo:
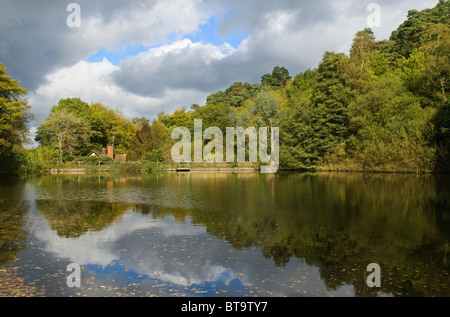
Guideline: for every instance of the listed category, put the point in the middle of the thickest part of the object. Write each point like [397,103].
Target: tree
[390,128]
[427,71]
[107,126]
[151,142]
[195,106]
[213,115]
[140,122]
[235,94]
[64,131]
[296,149]
[442,137]
[42,158]
[330,97]
[266,109]
[363,44]
[218,97]
[180,118]
[14,116]
[278,79]
[112,126]
[82,110]
[73,105]
[409,35]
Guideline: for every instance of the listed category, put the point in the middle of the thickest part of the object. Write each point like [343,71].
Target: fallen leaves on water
[12,285]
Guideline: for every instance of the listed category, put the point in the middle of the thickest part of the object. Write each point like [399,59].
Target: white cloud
[144,23]
[93,82]
[97,247]
[182,65]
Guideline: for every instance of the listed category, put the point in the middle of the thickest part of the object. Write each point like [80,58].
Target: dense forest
[383,107]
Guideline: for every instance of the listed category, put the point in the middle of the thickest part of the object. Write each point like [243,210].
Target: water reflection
[13,212]
[244,234]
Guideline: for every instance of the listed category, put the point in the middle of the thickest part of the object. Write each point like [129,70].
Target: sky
[145,57]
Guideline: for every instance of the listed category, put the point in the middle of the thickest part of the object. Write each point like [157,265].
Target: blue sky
[207,33]
[117,56]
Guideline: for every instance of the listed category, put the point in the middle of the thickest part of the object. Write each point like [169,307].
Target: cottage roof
[97,153]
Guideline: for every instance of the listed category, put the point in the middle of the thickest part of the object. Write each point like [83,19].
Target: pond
[225,235]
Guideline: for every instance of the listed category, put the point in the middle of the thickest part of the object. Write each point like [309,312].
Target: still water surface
[213,234]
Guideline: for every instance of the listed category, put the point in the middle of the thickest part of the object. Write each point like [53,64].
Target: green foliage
[64,131]
[156,156]
[390,128]
[330,98]
[410,34]
[213,115]
[150,139]
[112,127]
[107,126]
[296,149]
[139,122]
[442,136]
[363,45]
[41,159]
[235,95]
[14,116]
[73,105]
[278,79]
[265,111]
[94,160]
[384,108]
[179,118]
[427,71]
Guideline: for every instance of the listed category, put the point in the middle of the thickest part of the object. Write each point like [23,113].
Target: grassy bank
[142,167]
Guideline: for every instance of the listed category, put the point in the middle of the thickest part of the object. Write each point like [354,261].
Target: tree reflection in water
[338,223]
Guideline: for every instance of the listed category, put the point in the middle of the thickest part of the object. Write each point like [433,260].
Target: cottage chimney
[104,152]
[111,151]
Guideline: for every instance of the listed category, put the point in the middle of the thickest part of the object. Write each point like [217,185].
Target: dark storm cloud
[31,47]
[183,67]
[253,15]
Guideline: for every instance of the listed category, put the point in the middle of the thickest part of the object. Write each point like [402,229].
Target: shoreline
[80,171]
[169,170]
